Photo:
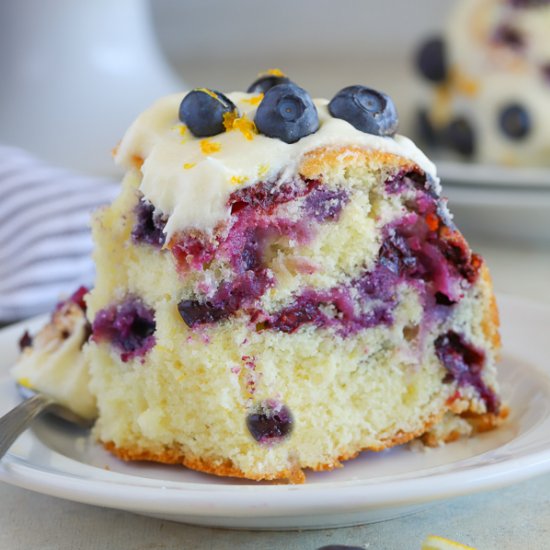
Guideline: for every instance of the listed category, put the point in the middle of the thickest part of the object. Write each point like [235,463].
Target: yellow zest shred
[25,382]
[189,165]
[243,124]
[209,92]
[433,542]
[246,127]
[182,128]
[263,169]
[275,72]
[229,120]
[137,161]
[208,147]
[238,180]
[255,99]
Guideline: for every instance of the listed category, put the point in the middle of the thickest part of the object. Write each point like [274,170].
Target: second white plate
[488,175]
[56,460]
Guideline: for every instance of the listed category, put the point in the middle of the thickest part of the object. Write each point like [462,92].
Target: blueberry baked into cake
[280,287]
[488,82]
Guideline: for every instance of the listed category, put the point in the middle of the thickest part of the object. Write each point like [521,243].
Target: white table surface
[511,518]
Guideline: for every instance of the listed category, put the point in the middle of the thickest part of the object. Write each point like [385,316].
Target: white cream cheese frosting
[190,179]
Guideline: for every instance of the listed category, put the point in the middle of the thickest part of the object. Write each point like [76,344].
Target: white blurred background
[324,44]
[75,74]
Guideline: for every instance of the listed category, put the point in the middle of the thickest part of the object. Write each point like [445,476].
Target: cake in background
[489,83]
[280,286]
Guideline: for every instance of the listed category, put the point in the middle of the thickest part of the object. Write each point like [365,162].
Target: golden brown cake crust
[491,319]
[315,162]
[225,468]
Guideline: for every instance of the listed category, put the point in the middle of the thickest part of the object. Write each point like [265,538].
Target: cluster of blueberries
[514,119]
[287,111]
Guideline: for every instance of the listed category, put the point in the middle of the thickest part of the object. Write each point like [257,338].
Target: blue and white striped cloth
[45,241]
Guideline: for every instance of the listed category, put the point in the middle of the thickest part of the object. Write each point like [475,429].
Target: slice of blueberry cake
[280,286]
[488,83]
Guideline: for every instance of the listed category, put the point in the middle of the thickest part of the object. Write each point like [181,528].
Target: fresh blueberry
[366,109]
[287,112]
[459,136]
[266,82]
[430,60]
[203,111]
[515,121]
[269,422]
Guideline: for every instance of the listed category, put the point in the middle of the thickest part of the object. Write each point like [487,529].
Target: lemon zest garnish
[243,124]
[255,99]
[246,127]
[114,150]
[434,542]
[25,382]
[182,129]
[275,72]
[208,147]
[237,180]
[263,169]
[209,92]
[229,120]
[137,161]
[188,165]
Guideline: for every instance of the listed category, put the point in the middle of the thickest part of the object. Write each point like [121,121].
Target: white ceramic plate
[486,175]
[57,460]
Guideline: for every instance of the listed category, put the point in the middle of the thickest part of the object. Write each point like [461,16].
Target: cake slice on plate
[280,286]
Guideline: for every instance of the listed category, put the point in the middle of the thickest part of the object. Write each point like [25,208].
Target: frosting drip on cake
[190,179]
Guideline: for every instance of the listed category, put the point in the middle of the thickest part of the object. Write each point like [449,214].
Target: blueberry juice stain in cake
[128,326]
[149,225]
[256,225]
[464,364]
[421,249]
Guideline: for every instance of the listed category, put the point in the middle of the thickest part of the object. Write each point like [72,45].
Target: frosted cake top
[197,150]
